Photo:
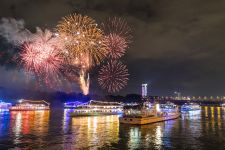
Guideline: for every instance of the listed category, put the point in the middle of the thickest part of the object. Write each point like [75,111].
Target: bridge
[204,100]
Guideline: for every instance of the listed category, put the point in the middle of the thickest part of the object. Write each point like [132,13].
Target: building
[144,90]
[178,95]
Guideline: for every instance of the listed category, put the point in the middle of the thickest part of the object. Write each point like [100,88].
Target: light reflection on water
[27,122]
[54,129]
[96,131]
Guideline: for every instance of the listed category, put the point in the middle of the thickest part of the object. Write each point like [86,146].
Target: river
[55,130]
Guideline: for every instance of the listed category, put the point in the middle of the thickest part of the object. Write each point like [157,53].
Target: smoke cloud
[14,31]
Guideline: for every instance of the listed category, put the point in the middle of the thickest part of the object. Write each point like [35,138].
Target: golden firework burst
[81,36]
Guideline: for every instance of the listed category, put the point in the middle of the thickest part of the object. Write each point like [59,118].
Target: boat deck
[147,120]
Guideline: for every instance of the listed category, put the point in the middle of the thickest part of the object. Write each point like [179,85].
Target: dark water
[54,130]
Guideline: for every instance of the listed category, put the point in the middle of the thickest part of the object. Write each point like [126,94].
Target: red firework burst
[113,76]
[119,27]
[42,55]
[116,45]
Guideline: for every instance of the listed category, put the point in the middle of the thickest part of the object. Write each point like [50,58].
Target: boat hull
[147,120]
[190,109]
[73,114]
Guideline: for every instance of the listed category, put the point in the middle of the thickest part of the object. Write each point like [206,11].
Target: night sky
[177,44]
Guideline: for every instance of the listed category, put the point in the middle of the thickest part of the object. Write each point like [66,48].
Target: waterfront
[54,129]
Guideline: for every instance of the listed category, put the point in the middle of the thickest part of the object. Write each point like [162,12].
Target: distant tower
[144,90]
[178,95]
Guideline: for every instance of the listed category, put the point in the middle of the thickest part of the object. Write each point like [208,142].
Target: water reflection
[90,132]
[26,123]
[66,119]
[39,130]
[192,115]
[150,136]
[213,118]
[4,123]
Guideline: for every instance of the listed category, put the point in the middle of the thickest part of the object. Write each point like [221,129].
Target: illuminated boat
[26,105]
[223,105]
[190,107]
[146,114]
[95,108]
[4,106]
[168,106]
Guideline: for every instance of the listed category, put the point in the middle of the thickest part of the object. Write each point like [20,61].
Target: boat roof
[23,101]
[4,103]
[93,102]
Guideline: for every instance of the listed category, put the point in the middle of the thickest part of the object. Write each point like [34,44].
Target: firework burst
[81,35]
[115,45]
[113,76]
[42,55]
[119,27]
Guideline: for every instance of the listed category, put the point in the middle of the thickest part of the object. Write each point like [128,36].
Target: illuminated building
[144,90]
[179,97]
[25,105]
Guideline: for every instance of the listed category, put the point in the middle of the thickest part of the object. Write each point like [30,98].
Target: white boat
[146,114]
[4,106]
[30,105]
[223,105]
[168,107]
[190,107]
[95,108]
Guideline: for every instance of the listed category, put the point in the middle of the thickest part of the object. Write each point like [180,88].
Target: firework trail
[42,55]
[77,70]
[84,82]
[113,76]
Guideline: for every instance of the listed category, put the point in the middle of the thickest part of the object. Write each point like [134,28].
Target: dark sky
[177,44]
